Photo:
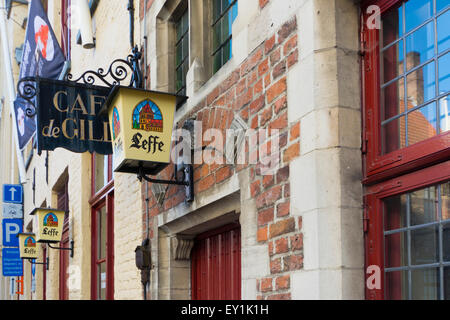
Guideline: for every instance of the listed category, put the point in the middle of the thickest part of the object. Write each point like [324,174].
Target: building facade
[342,191]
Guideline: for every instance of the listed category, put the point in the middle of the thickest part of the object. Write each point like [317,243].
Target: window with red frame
[406,86]
[406,76]
[408,236]
[102,228]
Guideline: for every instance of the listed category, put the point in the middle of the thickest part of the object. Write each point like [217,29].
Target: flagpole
[12,94]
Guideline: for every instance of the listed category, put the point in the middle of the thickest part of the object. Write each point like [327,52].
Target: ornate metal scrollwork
[26,90]
[118,72]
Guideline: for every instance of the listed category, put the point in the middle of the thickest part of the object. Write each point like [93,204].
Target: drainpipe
[12,96]
[130,8]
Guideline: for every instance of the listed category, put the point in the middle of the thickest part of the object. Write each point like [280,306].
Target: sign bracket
[46,264]
[187,179]
[69,249]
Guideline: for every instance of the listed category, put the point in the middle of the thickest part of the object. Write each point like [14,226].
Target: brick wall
[257,92]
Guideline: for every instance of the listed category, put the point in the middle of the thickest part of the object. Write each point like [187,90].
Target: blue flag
[42,56]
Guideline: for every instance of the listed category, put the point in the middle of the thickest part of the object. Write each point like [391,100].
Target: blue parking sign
[12,193]
[11,228]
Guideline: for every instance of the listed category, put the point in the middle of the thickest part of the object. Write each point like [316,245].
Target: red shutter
[216,265]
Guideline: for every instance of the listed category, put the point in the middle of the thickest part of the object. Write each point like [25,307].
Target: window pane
[416,12]
[420,46]
[441,4]
[396,250]
[226,28]
[226,52]
[101,233]
[185,45]
[392,25]
[397,285]
[217,8]
[217,61]
[444,114]
[101,281]
[424,245]
[421,85]
[422,124]
[447,283]
[101,171]
[393,98]
[423,206]
[217,32]
[443,32]
[185,22]
[425,284]
[445,201]
[393,61]
[393,135]
[395,213]
[446,242]
[444,74]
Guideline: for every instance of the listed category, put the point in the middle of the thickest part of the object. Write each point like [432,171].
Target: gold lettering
[106,136]
[56,101]
[94,102]
[64,129]
[49,131]
[80,102]
[82,130]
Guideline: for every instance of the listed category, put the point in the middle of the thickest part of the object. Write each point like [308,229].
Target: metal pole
[11,93]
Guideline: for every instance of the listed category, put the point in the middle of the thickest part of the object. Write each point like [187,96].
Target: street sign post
[11,228]
[12,264]
[13,193]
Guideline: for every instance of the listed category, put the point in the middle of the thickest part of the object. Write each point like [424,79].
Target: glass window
[102,171]
[415,72]
[416,244]
[182,52]
[224,14]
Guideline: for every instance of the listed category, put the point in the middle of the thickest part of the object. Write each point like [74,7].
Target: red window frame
[63,204]
[104,198]
[377,166]
[374,240]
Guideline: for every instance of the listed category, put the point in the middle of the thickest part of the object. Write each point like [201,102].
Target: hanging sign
[141,128]
[49,224]
[28,246]
[68,117]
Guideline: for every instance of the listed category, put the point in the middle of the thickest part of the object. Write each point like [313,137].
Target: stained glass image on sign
[147,116]
[50,220]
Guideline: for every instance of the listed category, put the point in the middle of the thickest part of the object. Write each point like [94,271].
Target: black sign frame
[76,125]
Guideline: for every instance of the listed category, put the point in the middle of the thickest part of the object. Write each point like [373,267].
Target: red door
[216,264]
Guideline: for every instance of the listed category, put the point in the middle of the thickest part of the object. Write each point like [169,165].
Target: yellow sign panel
[49,225]
[141,124]
[28,246]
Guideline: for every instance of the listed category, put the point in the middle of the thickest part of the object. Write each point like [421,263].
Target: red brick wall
[257,91]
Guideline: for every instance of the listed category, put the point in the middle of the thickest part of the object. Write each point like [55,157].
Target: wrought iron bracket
[26,90]
[187,180]
[69,249]
[46,264]
[118,72]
